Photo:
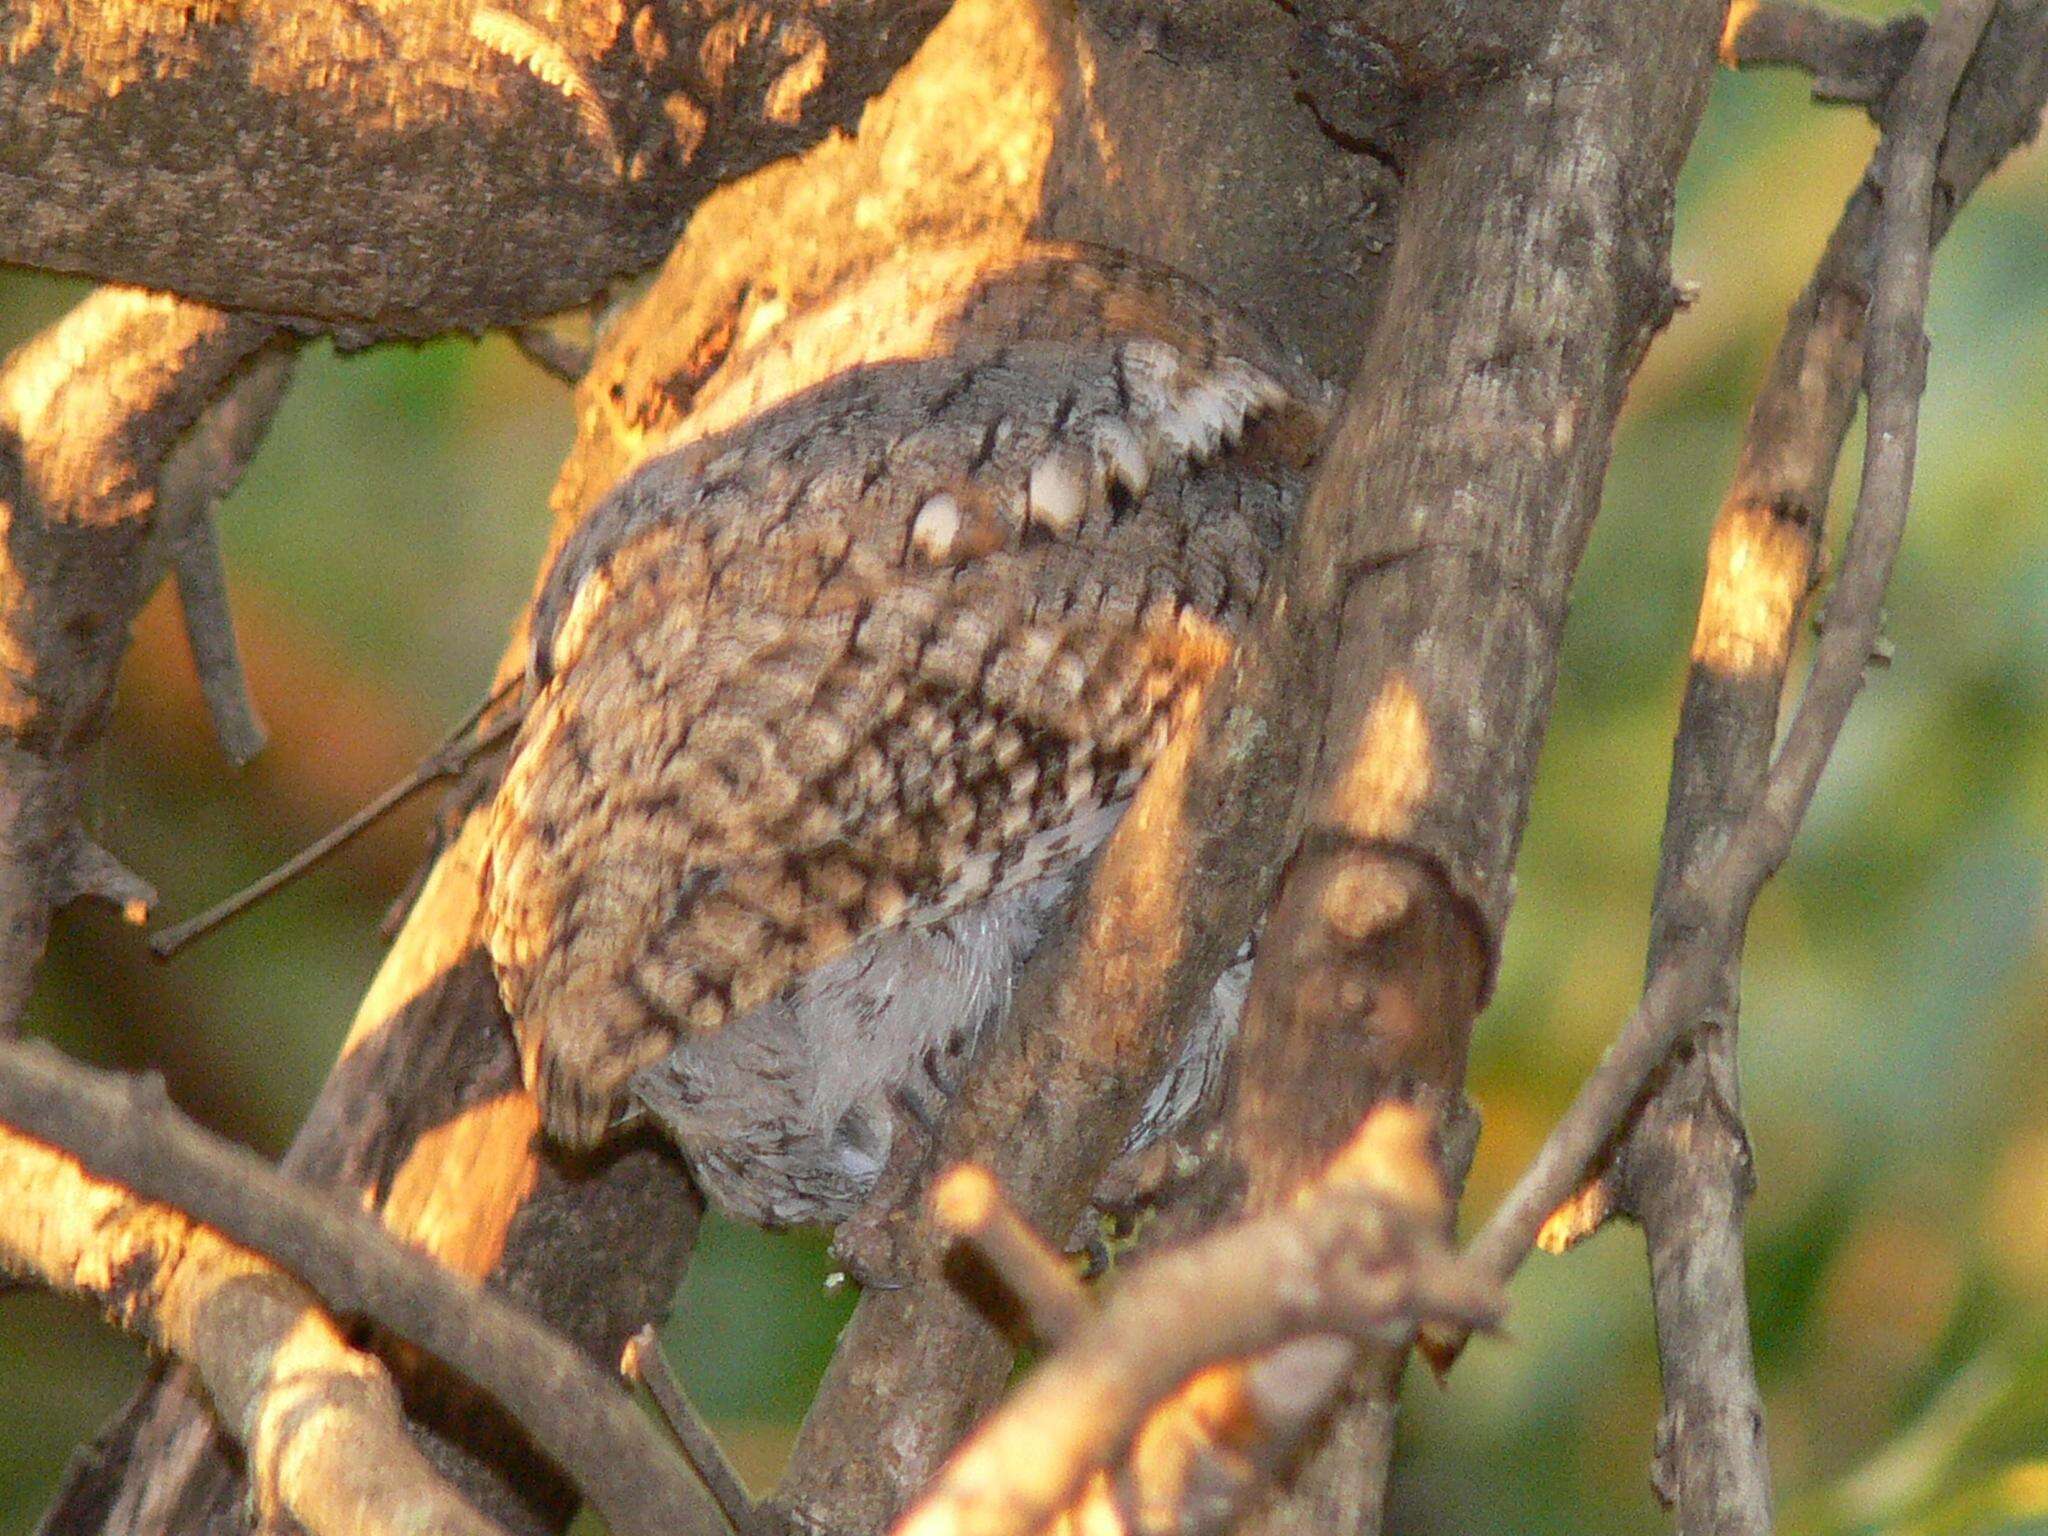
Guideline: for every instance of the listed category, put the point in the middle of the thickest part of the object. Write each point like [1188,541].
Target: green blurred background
[1897,1070]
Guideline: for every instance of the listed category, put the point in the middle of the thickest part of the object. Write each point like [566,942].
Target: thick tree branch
[1439,539]
[576,1414]
[320,1422]
[1683,1170]
[399,168]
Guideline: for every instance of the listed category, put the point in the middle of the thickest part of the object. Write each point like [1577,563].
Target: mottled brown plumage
[864,663]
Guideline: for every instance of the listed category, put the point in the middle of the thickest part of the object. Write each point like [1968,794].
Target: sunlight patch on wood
[458,1188]
[938,126]
[1388,777]
[1757,568]
[438,935]
[1738,13]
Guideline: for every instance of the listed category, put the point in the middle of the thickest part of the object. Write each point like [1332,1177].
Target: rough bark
[1527,278]
[129,1135]
[394,169]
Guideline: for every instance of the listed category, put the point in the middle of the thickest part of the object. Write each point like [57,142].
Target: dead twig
[575,1412]
[1682,1170]
[197,478]
[970,1204]
[210,632]
[452,757]
[552,352]
[85,869]
[99,467]
[645,1363]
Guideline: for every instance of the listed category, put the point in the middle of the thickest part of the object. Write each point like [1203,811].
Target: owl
[830,702]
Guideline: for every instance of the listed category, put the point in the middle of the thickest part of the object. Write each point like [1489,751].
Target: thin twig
[128,1132]
[450,758]
[202,580]
[1894,378]
[969,1203]
[197,477]
[645,1363]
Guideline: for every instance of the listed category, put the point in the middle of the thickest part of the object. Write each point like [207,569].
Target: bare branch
[552,353]
[198,478]
[93,485]
[1683,1170]
[202,579]
[424,1123]
[575,1413]
[1359,1253]
[645,1363]
[84,868]
[969,1203]
[319,1421]
[1713,903]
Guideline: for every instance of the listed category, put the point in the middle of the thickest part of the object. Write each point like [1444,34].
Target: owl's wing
[896,645]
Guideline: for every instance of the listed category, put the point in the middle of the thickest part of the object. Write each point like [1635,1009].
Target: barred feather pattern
[826,708]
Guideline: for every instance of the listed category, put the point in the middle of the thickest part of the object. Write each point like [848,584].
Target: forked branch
[319,1422]
[1712,904]
[1682,1169]
[1360,1253]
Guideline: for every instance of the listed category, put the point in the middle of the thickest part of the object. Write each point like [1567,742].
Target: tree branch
[424,1122]
[1851,60]
[1466,467]
[1360,1252]
[644,1362]
[424,166]
[1683,1170]
[576,1414]
[98,480]
[1709,908]
[210,633]
[320,1422]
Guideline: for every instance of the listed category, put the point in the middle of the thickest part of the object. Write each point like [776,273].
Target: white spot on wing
[935,527]
[1057,493]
